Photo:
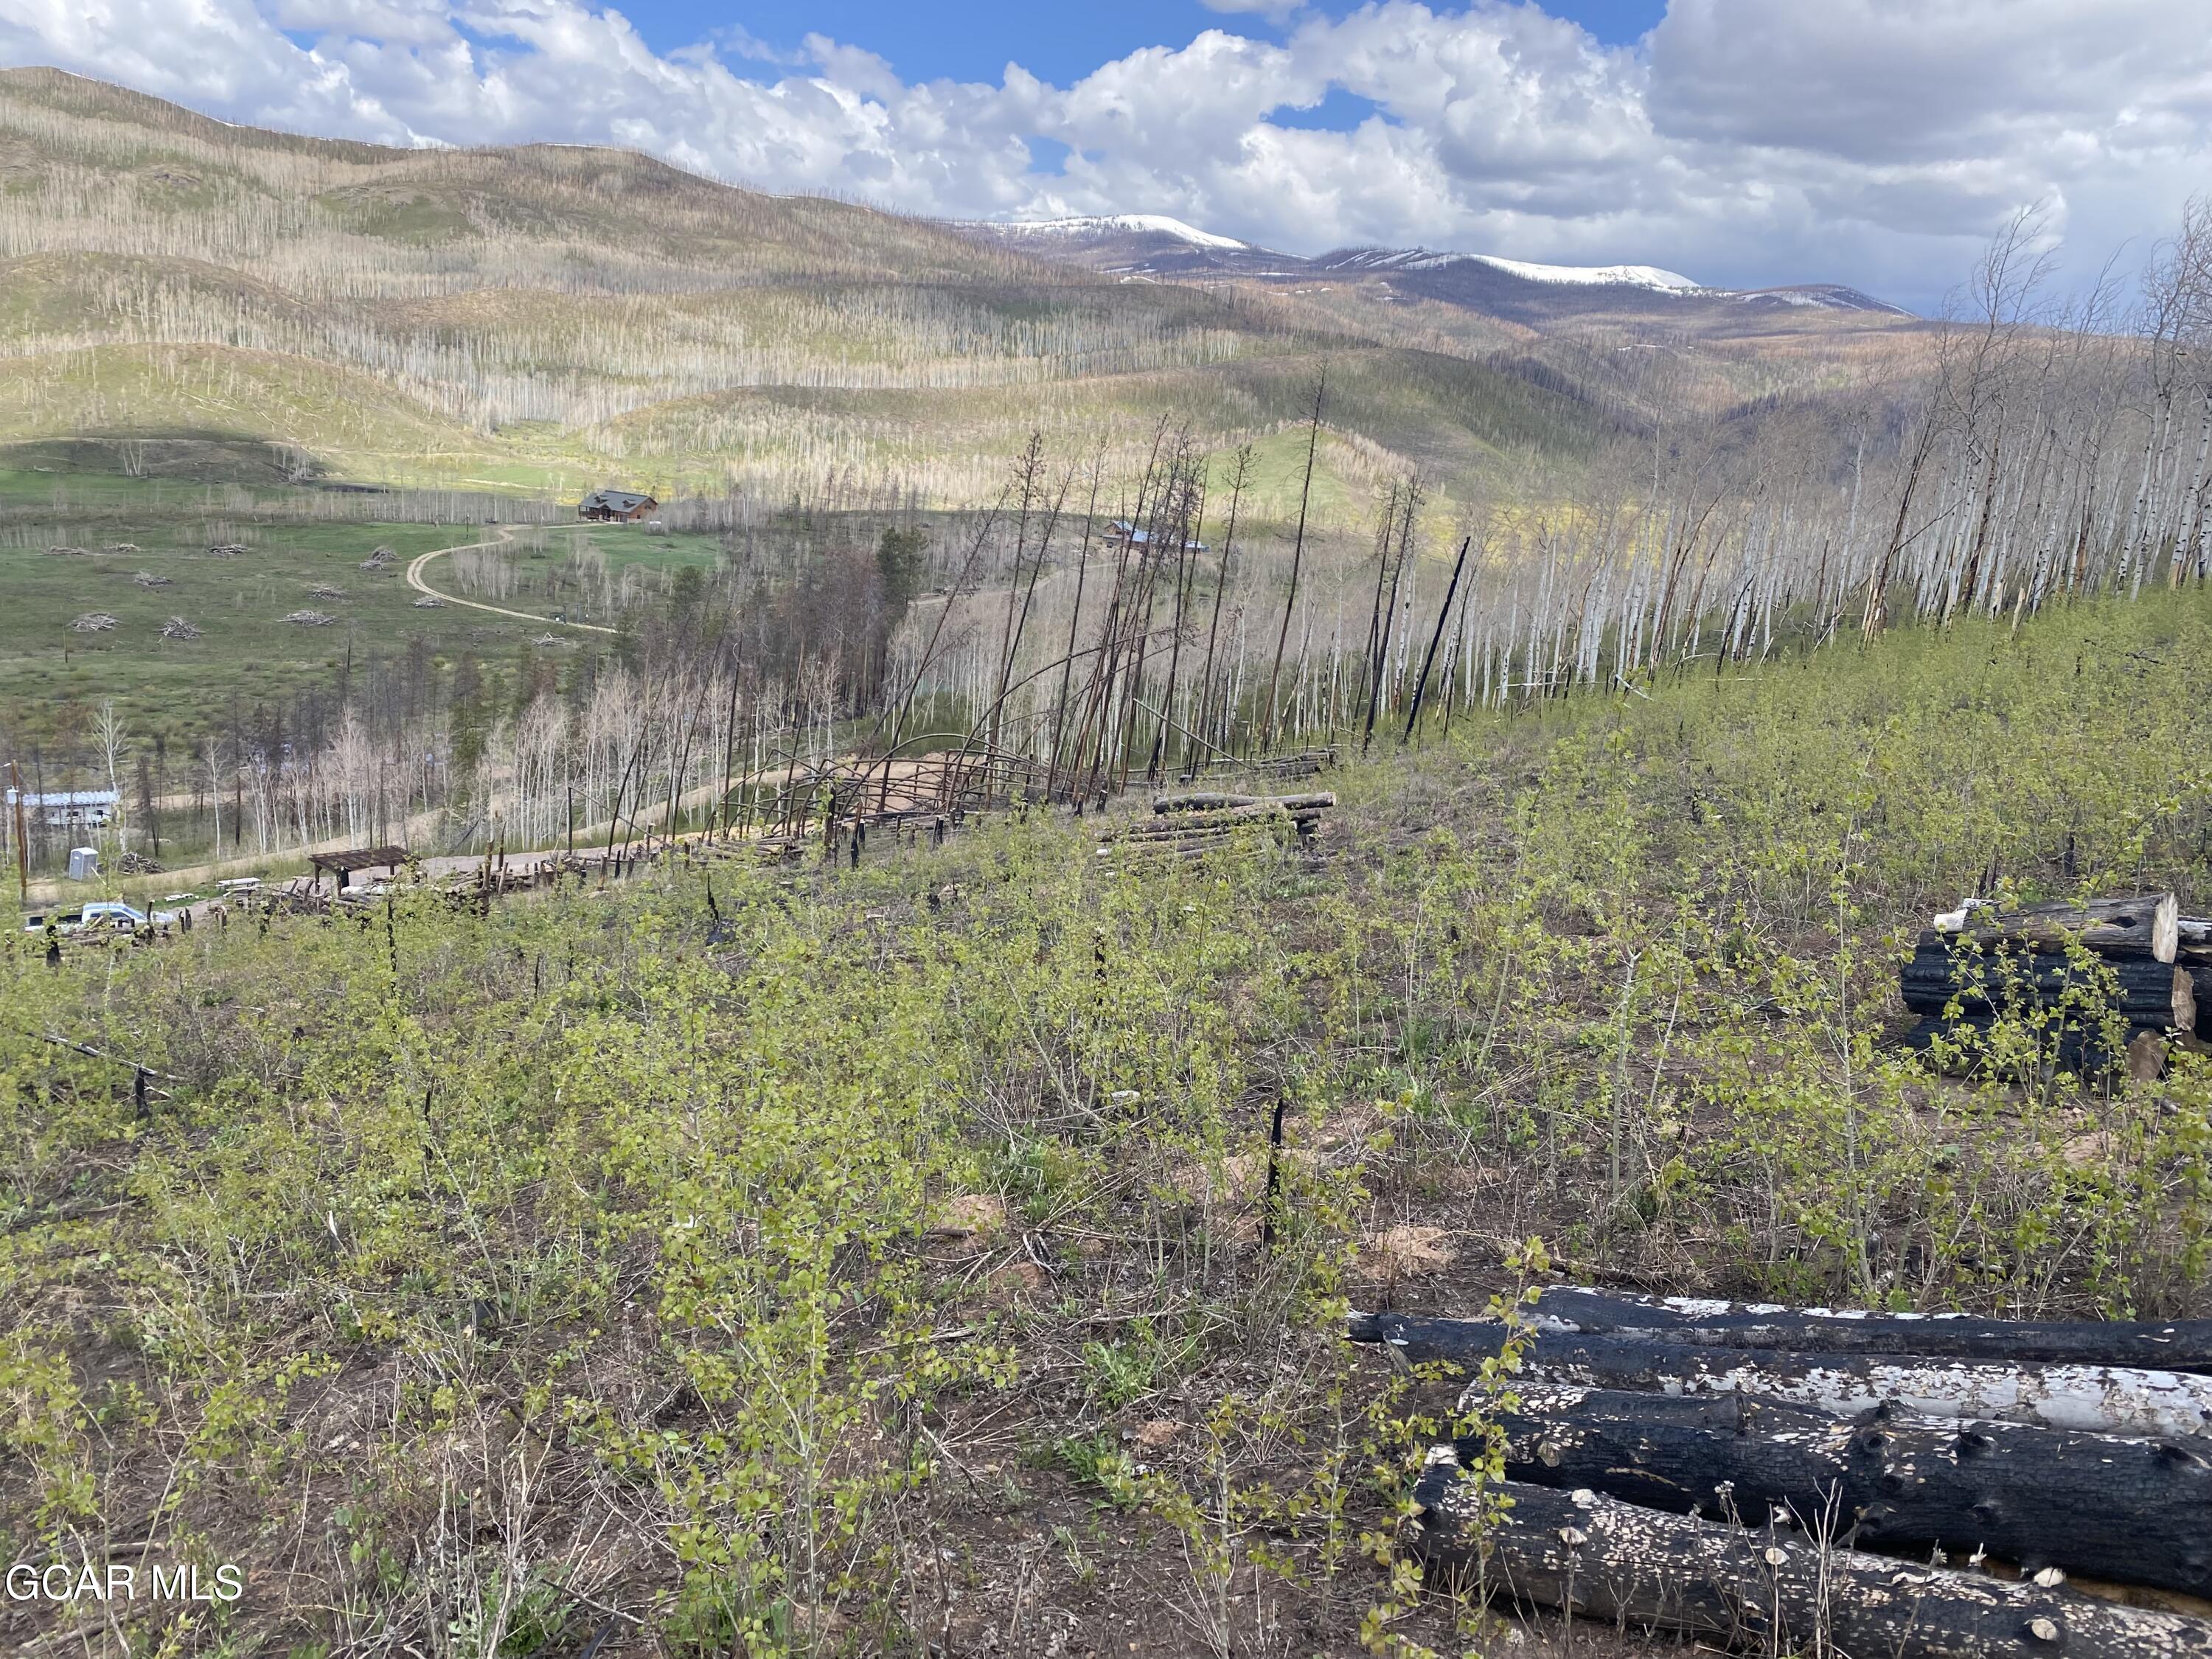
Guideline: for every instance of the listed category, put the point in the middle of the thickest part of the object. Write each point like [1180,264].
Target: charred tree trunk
[2094,1399]
[2135,1511]
[1615,1562]
[2175,1346]
[2148,991]
[2146,926]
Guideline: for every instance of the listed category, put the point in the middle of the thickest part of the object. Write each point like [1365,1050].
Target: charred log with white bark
[2182,1345]
[2133,1510]
[2092,1399]
[2149,925]
[1613,1561]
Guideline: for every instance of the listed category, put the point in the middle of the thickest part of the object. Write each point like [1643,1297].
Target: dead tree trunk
[2146,991]
[2094,1398]
[1612,1561]
[2135,1511]
[2176,1345]
[2146,926]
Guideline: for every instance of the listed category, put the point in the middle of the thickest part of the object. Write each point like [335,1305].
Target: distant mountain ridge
[1144,246]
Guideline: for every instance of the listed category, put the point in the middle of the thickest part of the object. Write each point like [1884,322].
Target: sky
[1744,142]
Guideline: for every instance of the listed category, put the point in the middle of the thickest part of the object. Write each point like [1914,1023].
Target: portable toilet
[84,864]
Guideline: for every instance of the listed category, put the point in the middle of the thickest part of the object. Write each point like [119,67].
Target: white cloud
[1870,141]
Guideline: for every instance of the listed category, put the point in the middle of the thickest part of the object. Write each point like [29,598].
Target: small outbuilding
[68,809]
[616,506]
[344,865]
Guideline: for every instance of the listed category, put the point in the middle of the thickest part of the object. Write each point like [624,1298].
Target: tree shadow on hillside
[198,457]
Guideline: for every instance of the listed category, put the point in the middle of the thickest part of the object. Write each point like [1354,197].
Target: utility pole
[22,847]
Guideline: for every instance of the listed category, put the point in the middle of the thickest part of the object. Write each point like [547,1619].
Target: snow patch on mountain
[1421,258]
[1158,224]
[1652,276]
[1819,296]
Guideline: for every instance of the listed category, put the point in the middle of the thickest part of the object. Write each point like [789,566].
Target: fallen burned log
[2145,991]
[1225,817]
[2073,1046]
[2132,1510]
[2094,1399]
[1201,800]
[2184,1344]
[1208,801]
[1613,1561]
[2147,926]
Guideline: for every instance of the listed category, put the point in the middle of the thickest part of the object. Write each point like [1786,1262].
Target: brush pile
[2100,984]
[378,559]
[95,622]
[226,549]
[1796,1480]
[177,627]
[311,618]
[1197,822]
[428,602]
[148,579]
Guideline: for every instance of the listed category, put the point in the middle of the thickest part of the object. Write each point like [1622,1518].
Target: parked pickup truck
[100,913]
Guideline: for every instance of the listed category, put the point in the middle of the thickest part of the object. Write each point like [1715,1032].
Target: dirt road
[502,535]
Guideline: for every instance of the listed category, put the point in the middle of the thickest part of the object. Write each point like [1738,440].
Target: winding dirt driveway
[502,535]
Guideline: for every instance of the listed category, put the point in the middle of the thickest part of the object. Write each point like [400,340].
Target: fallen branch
[91,1052]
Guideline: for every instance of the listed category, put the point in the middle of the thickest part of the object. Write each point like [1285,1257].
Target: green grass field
[52,678]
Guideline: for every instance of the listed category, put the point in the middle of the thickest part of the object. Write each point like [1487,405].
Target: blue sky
[1058,42]
[1745,143]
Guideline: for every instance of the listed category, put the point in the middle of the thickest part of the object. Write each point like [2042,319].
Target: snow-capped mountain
[1156,248]
[1093,226]
[1137,246]
[1421,258]
[1818,296]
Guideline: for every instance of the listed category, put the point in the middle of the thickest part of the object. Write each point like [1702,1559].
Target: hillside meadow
[541,319]
[890,1267]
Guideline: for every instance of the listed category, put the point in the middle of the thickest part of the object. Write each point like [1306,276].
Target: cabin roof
[617,500]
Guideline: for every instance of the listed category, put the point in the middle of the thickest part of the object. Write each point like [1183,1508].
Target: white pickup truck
[99,912]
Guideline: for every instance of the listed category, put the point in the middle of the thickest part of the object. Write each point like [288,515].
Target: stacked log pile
[1800,1477]
[1273,769]
[1197,822]
[2107,982]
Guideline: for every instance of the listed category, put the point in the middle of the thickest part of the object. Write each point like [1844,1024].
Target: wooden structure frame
[342,865]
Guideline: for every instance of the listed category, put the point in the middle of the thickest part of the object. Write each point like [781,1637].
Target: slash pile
[2102,983]
[1796,1480]
[1193,824]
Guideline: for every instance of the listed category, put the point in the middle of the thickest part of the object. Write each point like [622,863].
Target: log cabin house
[616,506]
[1120,534]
